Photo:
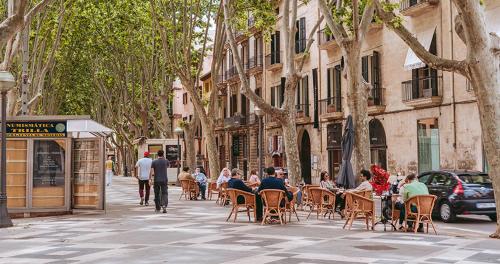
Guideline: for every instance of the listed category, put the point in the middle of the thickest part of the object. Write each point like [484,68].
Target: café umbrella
[345,177]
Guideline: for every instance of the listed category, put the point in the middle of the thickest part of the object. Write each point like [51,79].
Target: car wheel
[493,217]
[446,212]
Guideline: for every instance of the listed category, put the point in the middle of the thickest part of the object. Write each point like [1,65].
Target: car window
[424,178]
[475,179]
[441,179]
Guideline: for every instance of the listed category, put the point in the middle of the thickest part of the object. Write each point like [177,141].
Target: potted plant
[371,101]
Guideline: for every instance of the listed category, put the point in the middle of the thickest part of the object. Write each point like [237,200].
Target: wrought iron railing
[330,105]
[255,62]
[273,58]
[304,108]
[324,36]
[420,88]
[407,4]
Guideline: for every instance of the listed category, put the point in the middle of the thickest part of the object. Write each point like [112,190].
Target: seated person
[201,180]
[326,182]
[236,183]
[185,175]
[224,176]
[254,179]
[280,174]
[413,188]
[272,182]
[365,185]
[400,203]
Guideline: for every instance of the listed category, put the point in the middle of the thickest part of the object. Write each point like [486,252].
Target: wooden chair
[251,185]
[290,205]
[348,201]
[223,197]
[212,189]
[271,199]
[360,207]
[424,205]
[306,197]
[189,189]
[324,202]
[395,213]
[248,204]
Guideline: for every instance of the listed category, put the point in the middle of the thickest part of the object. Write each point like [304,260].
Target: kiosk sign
[36,129]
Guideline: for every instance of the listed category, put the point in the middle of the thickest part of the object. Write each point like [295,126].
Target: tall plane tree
[285,115]
[184,29]
[481,66]
[348,21]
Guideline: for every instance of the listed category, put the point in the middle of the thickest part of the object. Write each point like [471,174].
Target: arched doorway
[305,157]
[378,145]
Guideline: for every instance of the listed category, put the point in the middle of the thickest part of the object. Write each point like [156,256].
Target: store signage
[35,129]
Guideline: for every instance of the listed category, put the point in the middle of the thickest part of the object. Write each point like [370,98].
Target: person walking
[201,180]
[142,171]
[109,170]
[159,170]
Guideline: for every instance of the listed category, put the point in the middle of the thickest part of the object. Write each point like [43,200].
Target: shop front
[55,164]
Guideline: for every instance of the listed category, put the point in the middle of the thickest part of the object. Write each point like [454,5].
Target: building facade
[420,119]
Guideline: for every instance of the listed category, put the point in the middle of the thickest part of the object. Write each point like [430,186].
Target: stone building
[420,119]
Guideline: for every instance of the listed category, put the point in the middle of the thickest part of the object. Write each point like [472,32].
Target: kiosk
[55,164]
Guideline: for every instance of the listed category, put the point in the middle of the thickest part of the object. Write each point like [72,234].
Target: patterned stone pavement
[196,232]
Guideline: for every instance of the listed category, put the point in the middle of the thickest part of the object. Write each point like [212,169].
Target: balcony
[326,40]
[330,108]
[234,121]
[254,64]
[231,74]
[422,92]
[300,48]
[271,122]
[251,119]
[274,61]
[219,79]
[219,124]
[416,7]
[302,113]
[376,104]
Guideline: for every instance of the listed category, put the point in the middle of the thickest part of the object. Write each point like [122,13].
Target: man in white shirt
[142,170]
[365,185]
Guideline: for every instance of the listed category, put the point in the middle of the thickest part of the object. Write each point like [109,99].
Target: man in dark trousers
[159,170]
[271,182]
[236,183]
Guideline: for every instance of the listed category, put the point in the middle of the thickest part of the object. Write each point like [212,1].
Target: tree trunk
[166,132]
[485,80]
[212,151]
[357,97]
[289,128]
[189,142]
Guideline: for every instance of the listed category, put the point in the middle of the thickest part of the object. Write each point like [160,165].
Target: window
[370,69]
[233,105]
[302,98]
[424,80]
[334,87]
[184,98]
[439,179]
[300,35]
[244,105]
[275,48]
[49,166]
[276,96]
[424,178]
[245,55]
[428,144]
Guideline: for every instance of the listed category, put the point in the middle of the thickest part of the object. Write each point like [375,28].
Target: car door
[440,184]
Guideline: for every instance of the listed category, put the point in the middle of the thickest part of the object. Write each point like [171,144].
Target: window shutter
[302,29]
[375,81]
[273,96]
[315,98]
[328,84]
[364,67]
[338,88]
[297,36]
[297,96]
[414,84]
[243,105]
[306,94]
[282,91]
[277,48]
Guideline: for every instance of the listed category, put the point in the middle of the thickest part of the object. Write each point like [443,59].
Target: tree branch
[310,41]
[422,53]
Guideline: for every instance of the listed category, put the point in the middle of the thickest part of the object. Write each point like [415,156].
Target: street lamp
[178,131]
[7,82]
[260,114]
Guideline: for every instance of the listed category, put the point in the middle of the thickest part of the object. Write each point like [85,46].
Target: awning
[87,128]
[412,61]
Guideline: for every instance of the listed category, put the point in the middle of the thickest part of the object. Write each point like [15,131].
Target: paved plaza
[196,232]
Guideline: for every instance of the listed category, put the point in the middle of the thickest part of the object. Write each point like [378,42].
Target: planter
[330,108]
[300,113]
[371,102]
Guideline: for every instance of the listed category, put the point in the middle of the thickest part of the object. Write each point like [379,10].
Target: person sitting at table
[280,174]
[254,179]
[185,175]
[411,189]
[224,176]
[326,182]
[365,185]
[272,182]
[236,183]
[400,203]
